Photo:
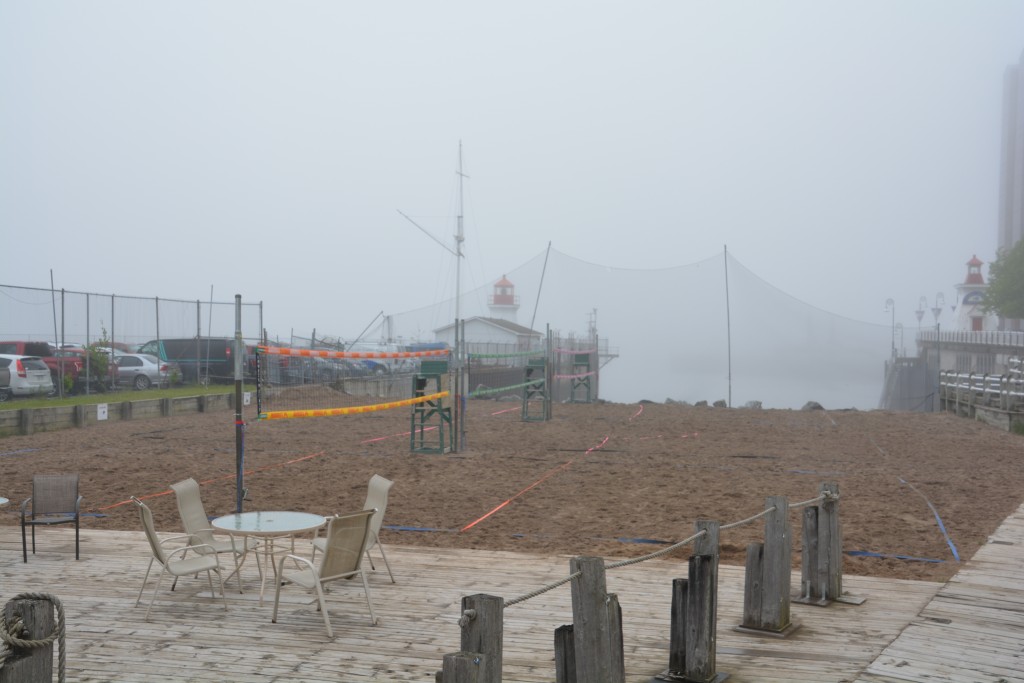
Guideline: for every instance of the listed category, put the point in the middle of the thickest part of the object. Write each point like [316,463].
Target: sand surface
[598,479]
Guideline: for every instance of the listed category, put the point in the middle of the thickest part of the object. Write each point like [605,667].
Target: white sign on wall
[247,398]
[101,411]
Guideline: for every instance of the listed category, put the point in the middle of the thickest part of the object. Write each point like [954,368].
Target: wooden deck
[974,624]
[973,630]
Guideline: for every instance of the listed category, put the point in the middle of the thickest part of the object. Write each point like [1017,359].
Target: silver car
[24,376]
[141,370]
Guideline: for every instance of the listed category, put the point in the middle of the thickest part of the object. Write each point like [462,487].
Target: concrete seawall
[31,420]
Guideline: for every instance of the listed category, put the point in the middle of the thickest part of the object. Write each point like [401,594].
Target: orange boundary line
[547,475]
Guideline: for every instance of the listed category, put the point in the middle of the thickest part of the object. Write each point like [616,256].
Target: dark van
[201,359]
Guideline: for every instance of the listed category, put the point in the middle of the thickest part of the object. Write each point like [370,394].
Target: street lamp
[899,328]
[940,301]
[921,303]
[890,305]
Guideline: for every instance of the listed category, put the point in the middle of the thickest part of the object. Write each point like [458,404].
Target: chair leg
[76,537]
[366,589]
[223,595]
[144,580]
[155,590]
[24,544]
[322,604]
[386,563]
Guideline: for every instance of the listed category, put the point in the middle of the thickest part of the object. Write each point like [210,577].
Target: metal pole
[728,320]
[239,424]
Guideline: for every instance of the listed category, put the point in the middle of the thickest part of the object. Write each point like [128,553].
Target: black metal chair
[54,500]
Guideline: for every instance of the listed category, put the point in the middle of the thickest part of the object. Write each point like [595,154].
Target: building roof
[507,325]
[504,282]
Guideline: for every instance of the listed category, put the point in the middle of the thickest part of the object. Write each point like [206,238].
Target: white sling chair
[344,547]
[197,526]
[200,562]
[376,497]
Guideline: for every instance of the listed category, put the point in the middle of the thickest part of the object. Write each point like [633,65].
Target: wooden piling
[482,634]
[30,664]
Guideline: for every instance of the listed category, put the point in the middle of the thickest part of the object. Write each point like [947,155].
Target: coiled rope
[12,634]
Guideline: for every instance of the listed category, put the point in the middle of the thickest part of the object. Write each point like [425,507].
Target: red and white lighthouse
[504,302]
[970,294]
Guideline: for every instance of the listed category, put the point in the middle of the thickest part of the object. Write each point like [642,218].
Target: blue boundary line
[942,527]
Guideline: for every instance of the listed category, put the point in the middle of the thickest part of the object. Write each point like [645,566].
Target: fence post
[592,623]
[822,561]
[35,664]
[565,655]
[482,629]
[766,597]
[693,641]
[462,667]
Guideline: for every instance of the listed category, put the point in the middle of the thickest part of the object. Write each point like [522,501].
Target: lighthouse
[970,294]
[504,302]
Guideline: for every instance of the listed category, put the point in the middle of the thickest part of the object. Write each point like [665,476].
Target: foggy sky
[845,152]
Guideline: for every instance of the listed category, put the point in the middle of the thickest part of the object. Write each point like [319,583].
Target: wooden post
[677,638]
[830,545]
[821,575]
[483,633]
[565,655]
[462,667]
[766,597]
[591,630]
[80,415]
[753,591]
[126,410]
[696,598]
[26,421]
[165,407]
[616,656]
[29,665]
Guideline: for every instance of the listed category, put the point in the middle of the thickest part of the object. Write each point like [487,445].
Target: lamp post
[940,301]
[890,305]
[921,303]
[902,351]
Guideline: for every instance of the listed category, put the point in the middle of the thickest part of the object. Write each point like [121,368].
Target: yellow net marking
[355,410]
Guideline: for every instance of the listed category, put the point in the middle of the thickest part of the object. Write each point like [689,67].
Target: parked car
[93,370]
[24,376]
[60,367]
[141,371]
[201,359]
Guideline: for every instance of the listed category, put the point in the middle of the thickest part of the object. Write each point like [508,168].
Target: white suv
[24,376]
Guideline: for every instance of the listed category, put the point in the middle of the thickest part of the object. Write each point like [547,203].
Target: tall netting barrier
[680,333]
[304,382]
[69,318]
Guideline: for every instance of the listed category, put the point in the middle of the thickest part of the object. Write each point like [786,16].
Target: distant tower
[1011,186]
[504,302]
[969,295]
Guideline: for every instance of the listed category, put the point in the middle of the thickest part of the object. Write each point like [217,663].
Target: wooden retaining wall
[31,420]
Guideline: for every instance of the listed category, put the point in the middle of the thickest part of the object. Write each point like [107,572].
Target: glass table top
[269,523]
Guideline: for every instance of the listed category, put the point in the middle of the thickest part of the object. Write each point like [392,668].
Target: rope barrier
[825,495]
[748,520]
[11,634]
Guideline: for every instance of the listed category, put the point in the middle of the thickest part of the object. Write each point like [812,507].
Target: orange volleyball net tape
[317,353]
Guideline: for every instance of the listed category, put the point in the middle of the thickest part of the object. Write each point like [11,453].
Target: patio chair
[202,561]
[54,500]
[197,526]
[376,497]
[344,547]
